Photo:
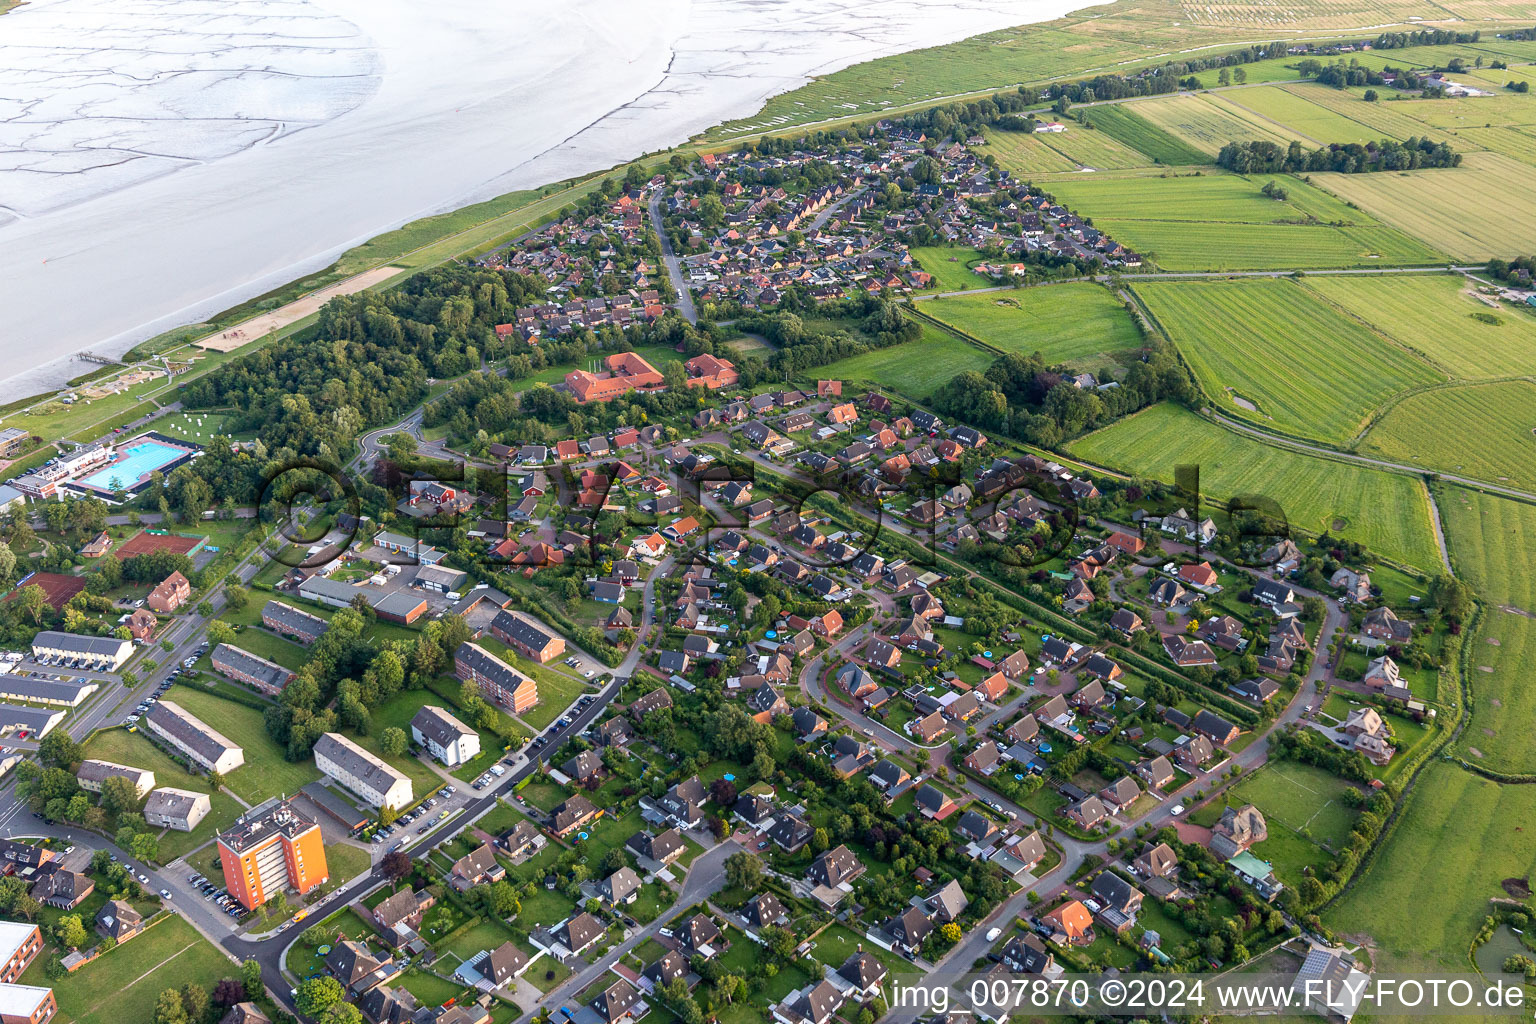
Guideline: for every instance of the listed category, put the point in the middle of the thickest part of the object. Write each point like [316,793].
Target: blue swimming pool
[133,463]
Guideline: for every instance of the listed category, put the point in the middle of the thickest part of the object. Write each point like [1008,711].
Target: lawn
[1467,832]
[951,267]
[1476,430]
[1321,374]
[1387,512]
[1079,324]
[1220,221]
[485,935]
[194,426]
[1304,807]
[556,692]
[915,368]
[1121,122]
[1486,207]
[265,773]
[1491,548]
[264,645]
[1439,317]
[124,984]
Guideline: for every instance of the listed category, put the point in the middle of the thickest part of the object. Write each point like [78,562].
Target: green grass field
[193,426]
[124,984]
[135,749]
[1087,147]
[1294,109]
[1305,811]
[1121,122]
[1468,833]
[265,773]
[1387,512]
[1025,153]
[1486,207]
[1439,317]
[1207,123]
[1476,430]
[916,368]
[951,267]
[1218,221]
[1081,324]
[1308,369]
[1490,544]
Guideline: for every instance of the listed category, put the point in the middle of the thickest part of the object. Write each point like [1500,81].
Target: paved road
[1366,460]
[685,304]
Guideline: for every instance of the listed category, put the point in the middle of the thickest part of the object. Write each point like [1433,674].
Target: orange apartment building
[627,372]
[271,849]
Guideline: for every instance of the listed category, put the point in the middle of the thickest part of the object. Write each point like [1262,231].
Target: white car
[992,935]
[144,878]
[165,894]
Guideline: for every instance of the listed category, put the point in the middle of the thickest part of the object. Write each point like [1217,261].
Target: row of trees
[1263,157]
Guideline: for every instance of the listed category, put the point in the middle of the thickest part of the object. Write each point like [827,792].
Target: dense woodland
[1024,397]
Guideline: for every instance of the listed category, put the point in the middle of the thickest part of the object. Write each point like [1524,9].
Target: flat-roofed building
[93,773]
[394,606]
[28,723]
[292,622]
[272,848]
[199,742]
[105,653]
[362,773]
[244,667]
[179,809]
[450,740]
[46,691]
[26,1004]
[12,441]
[527,637]
[498,681]
[20,942]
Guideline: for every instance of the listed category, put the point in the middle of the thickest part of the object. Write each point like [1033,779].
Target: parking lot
[165,684]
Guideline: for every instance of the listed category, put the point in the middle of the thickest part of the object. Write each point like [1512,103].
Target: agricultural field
[952,267]
[1289,107]
[1490,541]
[1024,153]
[1095,150]
[916,368]
[1123,124]
[1467,833]
[1298,364]
[1206,123]
[1477,430]
[1080,324]
[1220,221]
[1387,512]
[1387,119]
[1486,207]
[1439,317]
